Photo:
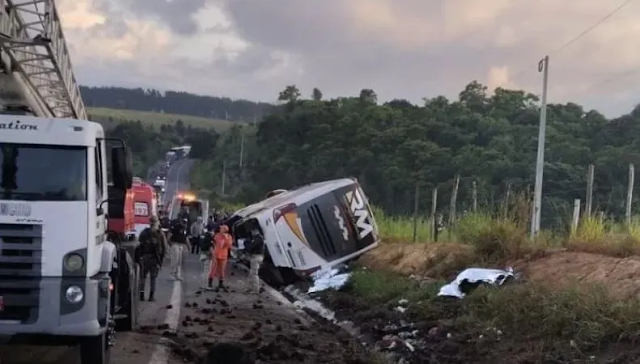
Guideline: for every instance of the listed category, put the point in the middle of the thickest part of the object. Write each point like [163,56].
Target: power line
[574,39]
[609,80]
[592,27]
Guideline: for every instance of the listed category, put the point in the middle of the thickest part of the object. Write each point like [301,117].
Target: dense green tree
[316,94]
[487,138]
[290,94]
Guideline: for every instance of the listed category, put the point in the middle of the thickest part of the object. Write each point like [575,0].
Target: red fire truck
[145,204]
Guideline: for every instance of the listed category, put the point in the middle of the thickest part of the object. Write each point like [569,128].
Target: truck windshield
[43,172]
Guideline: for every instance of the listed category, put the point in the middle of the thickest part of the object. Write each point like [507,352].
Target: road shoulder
[230,326]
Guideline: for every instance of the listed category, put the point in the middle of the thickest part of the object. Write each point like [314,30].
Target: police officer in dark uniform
[152,249]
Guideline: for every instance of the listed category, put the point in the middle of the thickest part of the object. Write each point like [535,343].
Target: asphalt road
[177,178]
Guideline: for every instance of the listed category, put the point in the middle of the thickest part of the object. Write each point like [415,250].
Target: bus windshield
[43,172]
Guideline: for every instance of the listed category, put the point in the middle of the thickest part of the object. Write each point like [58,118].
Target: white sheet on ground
[494,277]
[330,278]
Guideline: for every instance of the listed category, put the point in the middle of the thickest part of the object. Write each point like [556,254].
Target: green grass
[577,319]
[157,119]
[507,236]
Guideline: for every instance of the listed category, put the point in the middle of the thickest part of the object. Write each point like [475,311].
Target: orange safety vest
[223,243]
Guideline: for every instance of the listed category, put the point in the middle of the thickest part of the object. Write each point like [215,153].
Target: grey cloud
[318,31]
[177,14]
[299,26]
[319,34]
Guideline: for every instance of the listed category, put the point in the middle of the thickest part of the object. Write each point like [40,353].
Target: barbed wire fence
[437,218]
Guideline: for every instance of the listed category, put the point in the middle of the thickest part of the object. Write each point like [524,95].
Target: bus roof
[312,190]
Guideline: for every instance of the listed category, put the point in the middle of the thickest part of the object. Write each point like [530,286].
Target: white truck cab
[57,271]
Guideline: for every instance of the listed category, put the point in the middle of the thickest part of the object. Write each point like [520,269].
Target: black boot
[151,296]
[221,285]
[141,296]
[210,283]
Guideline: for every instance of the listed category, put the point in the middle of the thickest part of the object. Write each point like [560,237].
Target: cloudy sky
[400,48]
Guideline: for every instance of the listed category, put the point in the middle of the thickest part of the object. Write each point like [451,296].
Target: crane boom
[35,67]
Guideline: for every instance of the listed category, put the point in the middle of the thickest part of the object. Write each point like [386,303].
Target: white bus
[310,228]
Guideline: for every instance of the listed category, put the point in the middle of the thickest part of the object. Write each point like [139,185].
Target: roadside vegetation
[579,316]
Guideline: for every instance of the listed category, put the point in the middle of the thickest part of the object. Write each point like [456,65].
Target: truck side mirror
[122,168]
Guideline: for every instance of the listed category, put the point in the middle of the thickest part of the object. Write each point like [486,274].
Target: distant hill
[110,117]
[172,102]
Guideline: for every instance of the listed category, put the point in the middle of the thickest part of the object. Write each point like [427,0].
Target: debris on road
[333,278]
[247,328]
[470,278]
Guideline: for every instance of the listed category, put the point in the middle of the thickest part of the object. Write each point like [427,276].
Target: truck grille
[20,271]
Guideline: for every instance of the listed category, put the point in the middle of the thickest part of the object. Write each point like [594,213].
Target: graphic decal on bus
[295,225]
[360,212]
[341,224]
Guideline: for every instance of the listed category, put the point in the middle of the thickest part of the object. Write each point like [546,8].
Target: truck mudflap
[55,307]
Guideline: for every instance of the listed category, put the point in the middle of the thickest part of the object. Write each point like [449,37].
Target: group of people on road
[214,244]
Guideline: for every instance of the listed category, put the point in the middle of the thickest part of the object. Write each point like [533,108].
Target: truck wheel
[130,309]
[95,350]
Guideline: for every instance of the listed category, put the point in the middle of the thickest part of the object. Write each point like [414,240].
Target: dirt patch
[561,311]
[620,275]
[557,268]
[228,328]
[434,260]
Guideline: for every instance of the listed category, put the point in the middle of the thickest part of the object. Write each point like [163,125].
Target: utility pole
[632,175]
[241,148]
[543,66]
[589,198]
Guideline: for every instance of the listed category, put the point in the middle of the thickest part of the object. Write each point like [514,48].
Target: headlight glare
[74,294]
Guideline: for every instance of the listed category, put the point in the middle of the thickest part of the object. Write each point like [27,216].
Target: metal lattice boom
[34,51]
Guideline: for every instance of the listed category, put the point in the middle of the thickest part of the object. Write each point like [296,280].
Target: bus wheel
[271,275]
[95,350]
[288,275]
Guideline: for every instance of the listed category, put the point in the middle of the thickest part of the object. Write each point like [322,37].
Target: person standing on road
[255,249]
[196,231]
[179,242]
[222,245]
[152,249]
[206,244]
[211,224]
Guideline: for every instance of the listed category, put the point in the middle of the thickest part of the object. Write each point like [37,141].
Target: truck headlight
[73,262]
[74,294]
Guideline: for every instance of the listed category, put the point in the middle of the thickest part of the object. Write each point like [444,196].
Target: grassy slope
[103,114]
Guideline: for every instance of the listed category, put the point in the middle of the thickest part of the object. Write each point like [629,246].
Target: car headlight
[73,262]
[74,294]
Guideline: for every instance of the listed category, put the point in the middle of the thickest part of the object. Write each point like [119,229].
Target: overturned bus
[314,227]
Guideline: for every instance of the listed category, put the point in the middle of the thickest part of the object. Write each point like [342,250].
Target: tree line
[173,102]
[487,138]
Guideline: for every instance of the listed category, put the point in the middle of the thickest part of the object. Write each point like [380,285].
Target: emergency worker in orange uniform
[222,242]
